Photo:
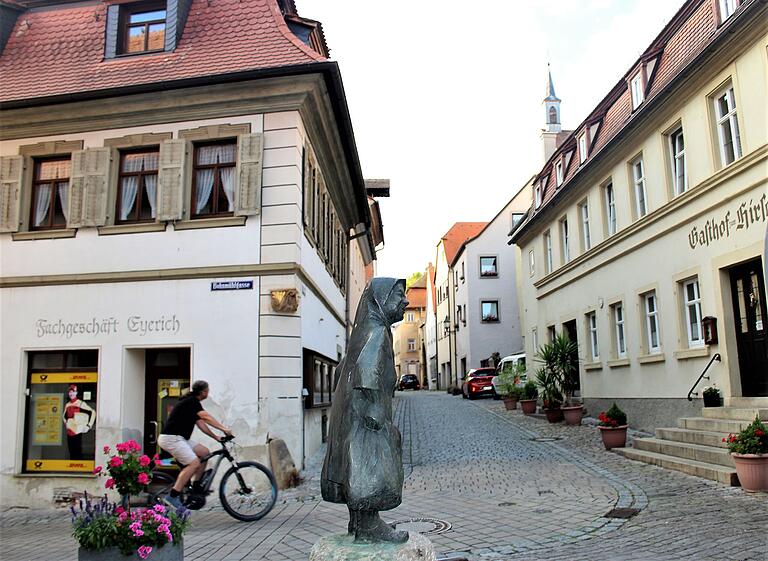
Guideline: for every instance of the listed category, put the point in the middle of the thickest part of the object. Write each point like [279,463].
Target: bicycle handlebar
[226,438]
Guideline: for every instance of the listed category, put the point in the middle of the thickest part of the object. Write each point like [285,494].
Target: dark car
[408,381]
[478,382]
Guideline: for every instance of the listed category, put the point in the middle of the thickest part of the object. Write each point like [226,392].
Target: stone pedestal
[343,548]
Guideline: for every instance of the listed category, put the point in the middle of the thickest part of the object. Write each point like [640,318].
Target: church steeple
[551,106]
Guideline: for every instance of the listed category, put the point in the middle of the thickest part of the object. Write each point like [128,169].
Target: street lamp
[447,325]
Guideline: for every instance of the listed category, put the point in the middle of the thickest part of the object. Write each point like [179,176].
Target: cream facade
[660,234]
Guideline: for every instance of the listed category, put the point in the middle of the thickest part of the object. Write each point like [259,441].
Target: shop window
[60,424]
[319,379]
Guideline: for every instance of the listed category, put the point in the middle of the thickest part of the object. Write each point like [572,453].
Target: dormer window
[559,173]
[142,28]
[583,148]
[636,89]
[727,7]
[538,194]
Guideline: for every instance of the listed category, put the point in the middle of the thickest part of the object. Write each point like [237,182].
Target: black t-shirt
[183,417]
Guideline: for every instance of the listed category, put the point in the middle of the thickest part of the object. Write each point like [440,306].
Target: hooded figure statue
[363,463]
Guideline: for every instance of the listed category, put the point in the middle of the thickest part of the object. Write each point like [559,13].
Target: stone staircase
[696,446]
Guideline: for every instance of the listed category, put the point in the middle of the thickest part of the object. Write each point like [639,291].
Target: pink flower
[136,529]
[106,449]
[159,509]
[133,446]
[759,433]
[144,460]
[115,462]
[97,470]
[119,510]
[144,551]
[110,483]
[121,447]
[143,478]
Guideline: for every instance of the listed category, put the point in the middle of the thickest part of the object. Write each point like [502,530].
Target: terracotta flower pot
[528,406]
[614,437]
[510,403]
[554,414]
[573,414]
[752,470]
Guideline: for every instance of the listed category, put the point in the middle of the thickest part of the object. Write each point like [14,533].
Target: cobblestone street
[495,493]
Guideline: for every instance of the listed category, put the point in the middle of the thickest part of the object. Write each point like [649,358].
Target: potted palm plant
[549,390]
[749,450]
[613,427]
[565,364]
[529,397]
[509,386]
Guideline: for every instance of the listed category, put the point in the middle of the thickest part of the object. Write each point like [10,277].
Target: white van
[505,364]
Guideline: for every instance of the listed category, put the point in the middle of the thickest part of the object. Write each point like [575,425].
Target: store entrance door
[570,329]
[167,375]
[751,324]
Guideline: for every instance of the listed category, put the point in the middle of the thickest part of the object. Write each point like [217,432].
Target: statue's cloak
[363,463]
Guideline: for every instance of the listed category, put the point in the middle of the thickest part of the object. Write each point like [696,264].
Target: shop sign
[139,325]
[746,215]
[60,465]
[232,285]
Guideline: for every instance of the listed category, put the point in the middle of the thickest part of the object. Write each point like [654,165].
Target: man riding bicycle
[175,437]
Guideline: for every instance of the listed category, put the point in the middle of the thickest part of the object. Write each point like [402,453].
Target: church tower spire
[551,106]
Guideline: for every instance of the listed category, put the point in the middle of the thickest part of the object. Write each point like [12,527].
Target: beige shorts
[179,447]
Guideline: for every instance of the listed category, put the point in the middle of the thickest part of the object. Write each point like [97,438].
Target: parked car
[408,381]
[477,383]
[507,363]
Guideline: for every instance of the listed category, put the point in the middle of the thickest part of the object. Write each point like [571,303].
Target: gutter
[329,70]
[740,19]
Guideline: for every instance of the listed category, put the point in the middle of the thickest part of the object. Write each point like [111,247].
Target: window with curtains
[137,186]
[213,183]
[50,193]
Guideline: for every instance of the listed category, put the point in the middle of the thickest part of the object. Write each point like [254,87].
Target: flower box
[168,552]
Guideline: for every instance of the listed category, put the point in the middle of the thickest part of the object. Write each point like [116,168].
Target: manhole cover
[423,525]
[621,513]
[545,438]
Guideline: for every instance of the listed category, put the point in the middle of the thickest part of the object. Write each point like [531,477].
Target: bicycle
[245,486]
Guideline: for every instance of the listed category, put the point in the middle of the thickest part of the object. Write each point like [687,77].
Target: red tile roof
[689,32]
[457,235]
[417,297]
[60,51]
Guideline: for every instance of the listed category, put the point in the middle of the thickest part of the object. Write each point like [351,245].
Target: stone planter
[554,415]
[711,400]
[169,552]
[752,470]
[573,414]
[614,437]
[510,403]
[528,406]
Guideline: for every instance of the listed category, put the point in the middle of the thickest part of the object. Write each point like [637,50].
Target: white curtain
[128,188]
[150,185]
[64,198]
[134,163]
[208,155]
[42,203]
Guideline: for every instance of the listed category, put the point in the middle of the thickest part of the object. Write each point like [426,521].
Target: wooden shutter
[11,172]
[249,163]
[170,183]
[97,162]
[111,41]
[77,190]
[307,189]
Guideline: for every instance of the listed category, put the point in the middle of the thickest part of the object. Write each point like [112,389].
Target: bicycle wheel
[248,492]
[159,487]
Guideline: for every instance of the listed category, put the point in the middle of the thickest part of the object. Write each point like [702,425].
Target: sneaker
[175,502]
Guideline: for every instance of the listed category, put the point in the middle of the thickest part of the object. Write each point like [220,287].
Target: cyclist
[175,437]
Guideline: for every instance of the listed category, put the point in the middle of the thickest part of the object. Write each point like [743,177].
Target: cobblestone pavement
[495,494]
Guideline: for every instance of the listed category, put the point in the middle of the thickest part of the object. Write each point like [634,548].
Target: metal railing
[717,358]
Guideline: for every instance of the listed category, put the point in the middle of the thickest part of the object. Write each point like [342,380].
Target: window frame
[637,90]
[583,148]
[609,196]
[217,188]
[677,156]
[531,263]
[482,317]
[54,184]
[586,231]
[548,257]
[651,322]
[124,26]
[620,331]
[411,345]
[723,8]
[694,304]
[538,194]
[639,187]
[593,338]
[140,188]
[495,273]
[731,118]
[559,173]
[565,248]
[409,317]
[327,376]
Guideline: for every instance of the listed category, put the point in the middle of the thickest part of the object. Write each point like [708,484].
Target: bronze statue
[363,464]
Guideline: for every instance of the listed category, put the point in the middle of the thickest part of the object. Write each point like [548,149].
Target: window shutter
[96,180]
[249,162]
[307,189]
[170,188]
[113,15]
[77,190]
[11,168]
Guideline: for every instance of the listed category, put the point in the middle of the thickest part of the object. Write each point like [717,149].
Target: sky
[445,97]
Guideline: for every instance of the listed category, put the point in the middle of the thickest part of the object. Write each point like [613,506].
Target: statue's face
[396,303]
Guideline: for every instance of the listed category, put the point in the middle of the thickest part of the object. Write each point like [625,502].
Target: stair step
[747,402]
[703,437]
[734,413]
[714,472]
[705,454]
[712,425]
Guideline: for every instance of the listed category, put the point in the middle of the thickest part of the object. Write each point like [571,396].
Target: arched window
[552,116]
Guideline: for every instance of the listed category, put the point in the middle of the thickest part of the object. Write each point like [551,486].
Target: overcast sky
[445,97]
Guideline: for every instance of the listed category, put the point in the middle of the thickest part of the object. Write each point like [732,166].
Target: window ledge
[696,352]
[200,223]
[655,357]
[44,234]
[618,363]
[132,228]
[597,365]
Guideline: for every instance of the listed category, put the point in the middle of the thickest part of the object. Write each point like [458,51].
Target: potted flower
[106,531]
[511,392]
[749,450]
[529,398]
[711,396]
[613,427]
[512,397]
[549,390]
